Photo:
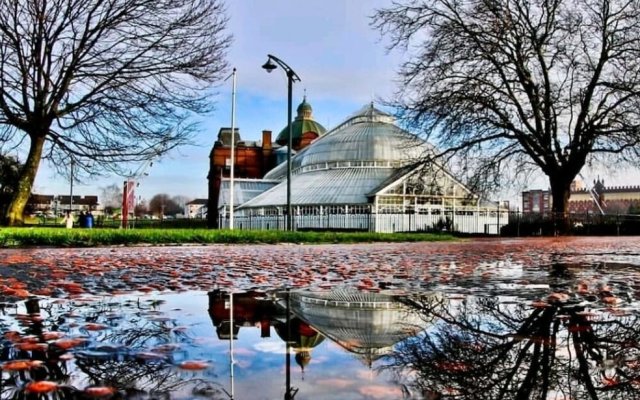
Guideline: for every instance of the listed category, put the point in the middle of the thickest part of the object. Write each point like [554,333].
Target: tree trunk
[560,192]
[25,183]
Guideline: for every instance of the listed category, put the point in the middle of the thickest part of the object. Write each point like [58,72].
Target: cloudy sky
[343,64]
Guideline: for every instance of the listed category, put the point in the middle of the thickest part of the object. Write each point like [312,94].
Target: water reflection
[111,350]
[492,348]
[365,324]
[305,344]
[231,311]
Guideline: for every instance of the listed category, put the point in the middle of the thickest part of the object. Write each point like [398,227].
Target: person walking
[68,220]
[82,220]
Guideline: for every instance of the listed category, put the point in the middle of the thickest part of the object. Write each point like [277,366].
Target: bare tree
[181,201]
[162,204]
[521,85]
[141,209]
[104,82]
[111,198]
[483,349]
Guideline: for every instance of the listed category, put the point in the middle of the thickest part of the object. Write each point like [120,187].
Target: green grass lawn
[31,236]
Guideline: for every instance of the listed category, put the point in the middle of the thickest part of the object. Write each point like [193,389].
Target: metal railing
[139,223]
[486,223]
[502,224]
[550,224]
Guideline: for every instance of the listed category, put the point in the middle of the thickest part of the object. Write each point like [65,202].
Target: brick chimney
[266,140]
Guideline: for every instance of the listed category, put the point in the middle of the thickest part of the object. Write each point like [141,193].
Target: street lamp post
[291,77]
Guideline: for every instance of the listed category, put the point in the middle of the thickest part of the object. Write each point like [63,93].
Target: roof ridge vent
[368,113]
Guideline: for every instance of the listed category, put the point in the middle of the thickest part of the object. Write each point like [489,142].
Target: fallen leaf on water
[193,365]
[68,343]
[99,391]
[21,365]
[41,387]
[52,335]
[29,346]
[91,326]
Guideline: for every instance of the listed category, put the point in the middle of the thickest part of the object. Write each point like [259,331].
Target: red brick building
[536,201]
[612,199]
[253,159]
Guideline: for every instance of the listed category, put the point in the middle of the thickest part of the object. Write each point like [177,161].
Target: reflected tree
[33,360]
[133,376]
[127,347]
[482,348]
[142,361]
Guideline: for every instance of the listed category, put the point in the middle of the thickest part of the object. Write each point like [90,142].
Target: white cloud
[273,347]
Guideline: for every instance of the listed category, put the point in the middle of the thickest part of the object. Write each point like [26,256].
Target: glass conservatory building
[365,174]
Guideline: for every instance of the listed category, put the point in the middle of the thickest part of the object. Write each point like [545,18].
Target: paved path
[462,266]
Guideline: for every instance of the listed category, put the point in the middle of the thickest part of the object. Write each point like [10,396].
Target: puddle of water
[476,323]
[178,346]
[340,344]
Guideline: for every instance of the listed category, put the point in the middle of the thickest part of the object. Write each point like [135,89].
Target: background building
[536,201]
[196,208]
[611,200]
[304,128]
[252,160]
[58,205]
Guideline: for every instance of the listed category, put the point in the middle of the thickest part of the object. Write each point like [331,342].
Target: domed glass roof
[346,165]
[369,136]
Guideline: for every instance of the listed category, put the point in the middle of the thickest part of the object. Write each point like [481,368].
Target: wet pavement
[481,319]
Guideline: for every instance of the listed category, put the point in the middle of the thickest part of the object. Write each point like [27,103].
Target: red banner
[131,197]
[128,201]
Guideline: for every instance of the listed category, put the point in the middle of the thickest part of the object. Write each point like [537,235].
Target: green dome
[300,127]
[302,124]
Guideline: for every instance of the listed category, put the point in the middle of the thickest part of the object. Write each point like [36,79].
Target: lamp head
[269,65]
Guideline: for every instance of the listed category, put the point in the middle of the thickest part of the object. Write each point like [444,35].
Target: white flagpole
[233,150]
